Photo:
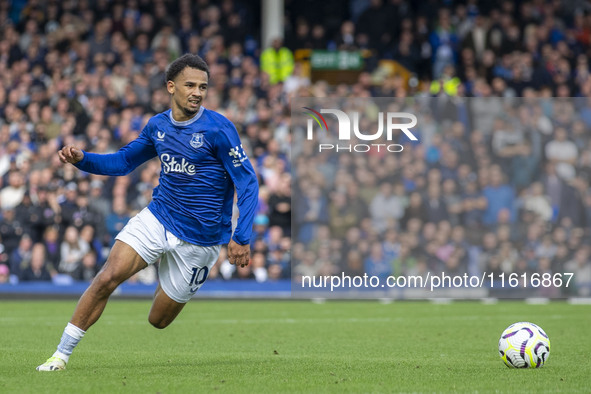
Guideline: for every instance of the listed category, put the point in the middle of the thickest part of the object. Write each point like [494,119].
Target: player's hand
[238,255]
[70,154]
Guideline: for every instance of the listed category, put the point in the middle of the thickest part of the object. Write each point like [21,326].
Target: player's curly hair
[187,60]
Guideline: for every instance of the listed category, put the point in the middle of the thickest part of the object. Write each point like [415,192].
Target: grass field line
[111,320]
[115,320]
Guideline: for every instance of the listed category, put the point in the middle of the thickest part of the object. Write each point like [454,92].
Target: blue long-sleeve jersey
[202,160]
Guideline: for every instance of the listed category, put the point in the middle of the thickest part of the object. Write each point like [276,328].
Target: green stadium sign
[336,60]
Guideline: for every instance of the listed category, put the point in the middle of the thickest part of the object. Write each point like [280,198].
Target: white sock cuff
[74,331]
[61,355]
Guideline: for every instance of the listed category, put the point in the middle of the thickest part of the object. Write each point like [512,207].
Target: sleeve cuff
[239,242]
[83,161]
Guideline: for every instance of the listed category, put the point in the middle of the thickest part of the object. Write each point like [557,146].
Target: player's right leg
[141,242]
[123,263]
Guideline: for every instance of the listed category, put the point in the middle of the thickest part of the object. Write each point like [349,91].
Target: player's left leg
[183,269]
[164,309]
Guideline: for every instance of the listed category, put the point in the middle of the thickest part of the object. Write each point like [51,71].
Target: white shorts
[183,266]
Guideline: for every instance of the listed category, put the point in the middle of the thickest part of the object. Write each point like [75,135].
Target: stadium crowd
[480,192]
[496,184]
[92,73]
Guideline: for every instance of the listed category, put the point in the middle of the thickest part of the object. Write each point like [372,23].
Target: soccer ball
[524,345]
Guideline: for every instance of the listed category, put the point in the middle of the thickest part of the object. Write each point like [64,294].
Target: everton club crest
[197,140]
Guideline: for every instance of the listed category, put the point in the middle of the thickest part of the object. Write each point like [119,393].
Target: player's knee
[105,283]
[158,323]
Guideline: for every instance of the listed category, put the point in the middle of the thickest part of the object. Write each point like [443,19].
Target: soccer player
[189,217]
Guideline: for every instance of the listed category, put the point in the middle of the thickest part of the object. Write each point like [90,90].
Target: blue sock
[70,338]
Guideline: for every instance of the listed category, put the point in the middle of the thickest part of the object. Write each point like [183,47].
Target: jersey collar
[187,122]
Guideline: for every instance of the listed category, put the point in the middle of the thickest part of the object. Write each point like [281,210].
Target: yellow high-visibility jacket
[278,64]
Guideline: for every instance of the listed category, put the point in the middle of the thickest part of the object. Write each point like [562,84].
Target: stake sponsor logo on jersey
[170,164]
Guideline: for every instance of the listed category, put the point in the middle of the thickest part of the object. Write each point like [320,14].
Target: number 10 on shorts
[199,276]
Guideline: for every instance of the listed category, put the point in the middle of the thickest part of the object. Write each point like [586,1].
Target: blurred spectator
[225,268]
[88,234]
[142,53]
[580,266]
[80,214]
[13,194]
[414,210]
[72,250]
[385,207]
[4,274]
[476,37]
[280,205]
[452,201]
[277,62]
[371,23]
[280,260]
[37,270]
[52,246]
[538,202]
[345,40]
[313,208]
[444,43]
[562,153]
[244,272]
[275,272]
[435,206]
[88,268]
[377,264]
[499,196]
[20,259]
[97,202]
[258,267]
[259,232]
[343,215]
[4,257]
[296,80]
[25,213]
[165,39]
[116,220]
[571,203]
[300,38]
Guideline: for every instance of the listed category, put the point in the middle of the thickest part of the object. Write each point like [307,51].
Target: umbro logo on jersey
[161,135]
[238,154]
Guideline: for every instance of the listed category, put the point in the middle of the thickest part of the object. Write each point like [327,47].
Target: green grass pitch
[293,346]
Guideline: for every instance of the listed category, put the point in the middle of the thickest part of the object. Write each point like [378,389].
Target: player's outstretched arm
[70,154]
[121,162]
